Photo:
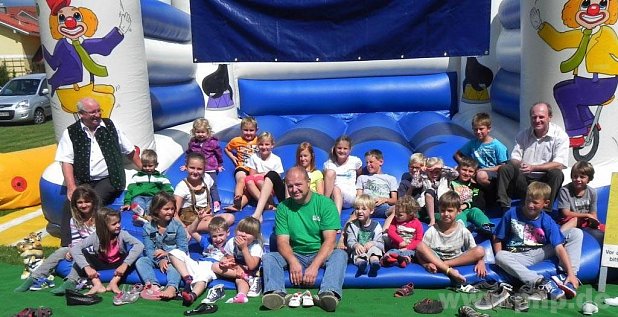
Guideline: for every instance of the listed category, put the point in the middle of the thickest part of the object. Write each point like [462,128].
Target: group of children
[445,198]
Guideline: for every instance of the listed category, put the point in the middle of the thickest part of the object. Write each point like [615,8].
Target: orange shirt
[242,148]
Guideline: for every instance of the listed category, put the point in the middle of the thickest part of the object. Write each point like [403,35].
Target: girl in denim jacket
[161,235]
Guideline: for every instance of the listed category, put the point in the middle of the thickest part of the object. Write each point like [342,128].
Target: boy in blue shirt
[487,151]
[526,236]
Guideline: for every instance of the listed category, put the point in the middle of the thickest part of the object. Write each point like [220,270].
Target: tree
[4,74]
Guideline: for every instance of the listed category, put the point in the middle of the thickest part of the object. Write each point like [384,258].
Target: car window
[21,87]
[43,85]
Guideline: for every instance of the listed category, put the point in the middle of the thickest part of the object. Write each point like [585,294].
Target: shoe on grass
[274,300]
[532,292]
[66,286]
[516,303]
[215,293]
[25,285]
[492,299]
[589,308]
[467,311]
[296,300]
[328,301]
[41,283]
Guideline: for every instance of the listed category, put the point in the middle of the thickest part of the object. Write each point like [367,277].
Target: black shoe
[77,298]
[202,309]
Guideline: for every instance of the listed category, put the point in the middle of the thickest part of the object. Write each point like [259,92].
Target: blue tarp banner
[337,30]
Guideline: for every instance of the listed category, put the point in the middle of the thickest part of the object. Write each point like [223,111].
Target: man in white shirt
[540,153]
[90,152]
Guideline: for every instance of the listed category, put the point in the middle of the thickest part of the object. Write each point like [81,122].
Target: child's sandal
[467,288]
[405,290]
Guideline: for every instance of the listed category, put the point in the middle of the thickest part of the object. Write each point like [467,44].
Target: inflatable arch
[399,106]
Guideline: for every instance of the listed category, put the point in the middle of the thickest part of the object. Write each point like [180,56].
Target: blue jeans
[273,265]
[145,268]
[144,202]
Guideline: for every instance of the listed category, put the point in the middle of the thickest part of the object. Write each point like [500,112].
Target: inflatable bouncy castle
[166,63]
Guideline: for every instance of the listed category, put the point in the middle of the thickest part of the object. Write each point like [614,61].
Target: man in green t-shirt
[306,226]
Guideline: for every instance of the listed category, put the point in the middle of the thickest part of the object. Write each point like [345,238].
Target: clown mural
[74,29]
[593,64]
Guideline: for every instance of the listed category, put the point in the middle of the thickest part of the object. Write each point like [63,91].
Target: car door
[43,98]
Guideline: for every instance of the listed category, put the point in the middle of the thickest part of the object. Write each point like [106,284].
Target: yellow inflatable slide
[20,173]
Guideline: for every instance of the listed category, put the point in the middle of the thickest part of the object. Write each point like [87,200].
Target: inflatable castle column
[567,61]
[96,49]
[93,49]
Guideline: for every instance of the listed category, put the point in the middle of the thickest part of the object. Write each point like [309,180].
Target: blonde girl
[203,141]
[243,257]
[340,172]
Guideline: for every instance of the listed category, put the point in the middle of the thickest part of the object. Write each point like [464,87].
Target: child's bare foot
[168,293]
[431,268]
[237,201]
[96,290]
[231,208]
[456,276]
[114,288]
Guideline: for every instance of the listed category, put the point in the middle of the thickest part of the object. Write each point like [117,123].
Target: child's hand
[480,269]
[380,201]
[359,249]
[203,213]
[125,207]
[235,160]
[240,242]
[158,253]
[163,265]
[402,245]
[220,169]
[368,245]
[68,256]
[183,168]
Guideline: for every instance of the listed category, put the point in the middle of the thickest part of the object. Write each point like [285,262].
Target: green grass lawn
[356,302]
[16,137]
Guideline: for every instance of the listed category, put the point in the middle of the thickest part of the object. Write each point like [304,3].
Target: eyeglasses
[91,113]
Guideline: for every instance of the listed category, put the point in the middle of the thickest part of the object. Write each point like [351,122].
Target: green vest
[107,137]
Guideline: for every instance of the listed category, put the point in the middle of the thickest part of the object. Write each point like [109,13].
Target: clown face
[71,23]
[592,13]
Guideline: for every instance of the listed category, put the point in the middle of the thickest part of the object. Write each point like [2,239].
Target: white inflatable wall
[541,72]
[126,82]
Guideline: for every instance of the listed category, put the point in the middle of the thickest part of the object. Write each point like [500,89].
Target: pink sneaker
[240,298]
[151,292]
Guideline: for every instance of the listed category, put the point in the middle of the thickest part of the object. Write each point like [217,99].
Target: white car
[25,98]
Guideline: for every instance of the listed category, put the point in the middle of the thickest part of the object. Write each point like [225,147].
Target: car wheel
[39,116]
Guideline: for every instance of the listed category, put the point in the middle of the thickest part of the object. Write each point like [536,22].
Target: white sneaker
[255,286]
[590,308]
[612,301]
[295,300]
[307,299]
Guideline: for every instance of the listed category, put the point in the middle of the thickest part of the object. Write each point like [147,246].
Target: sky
[10,3]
